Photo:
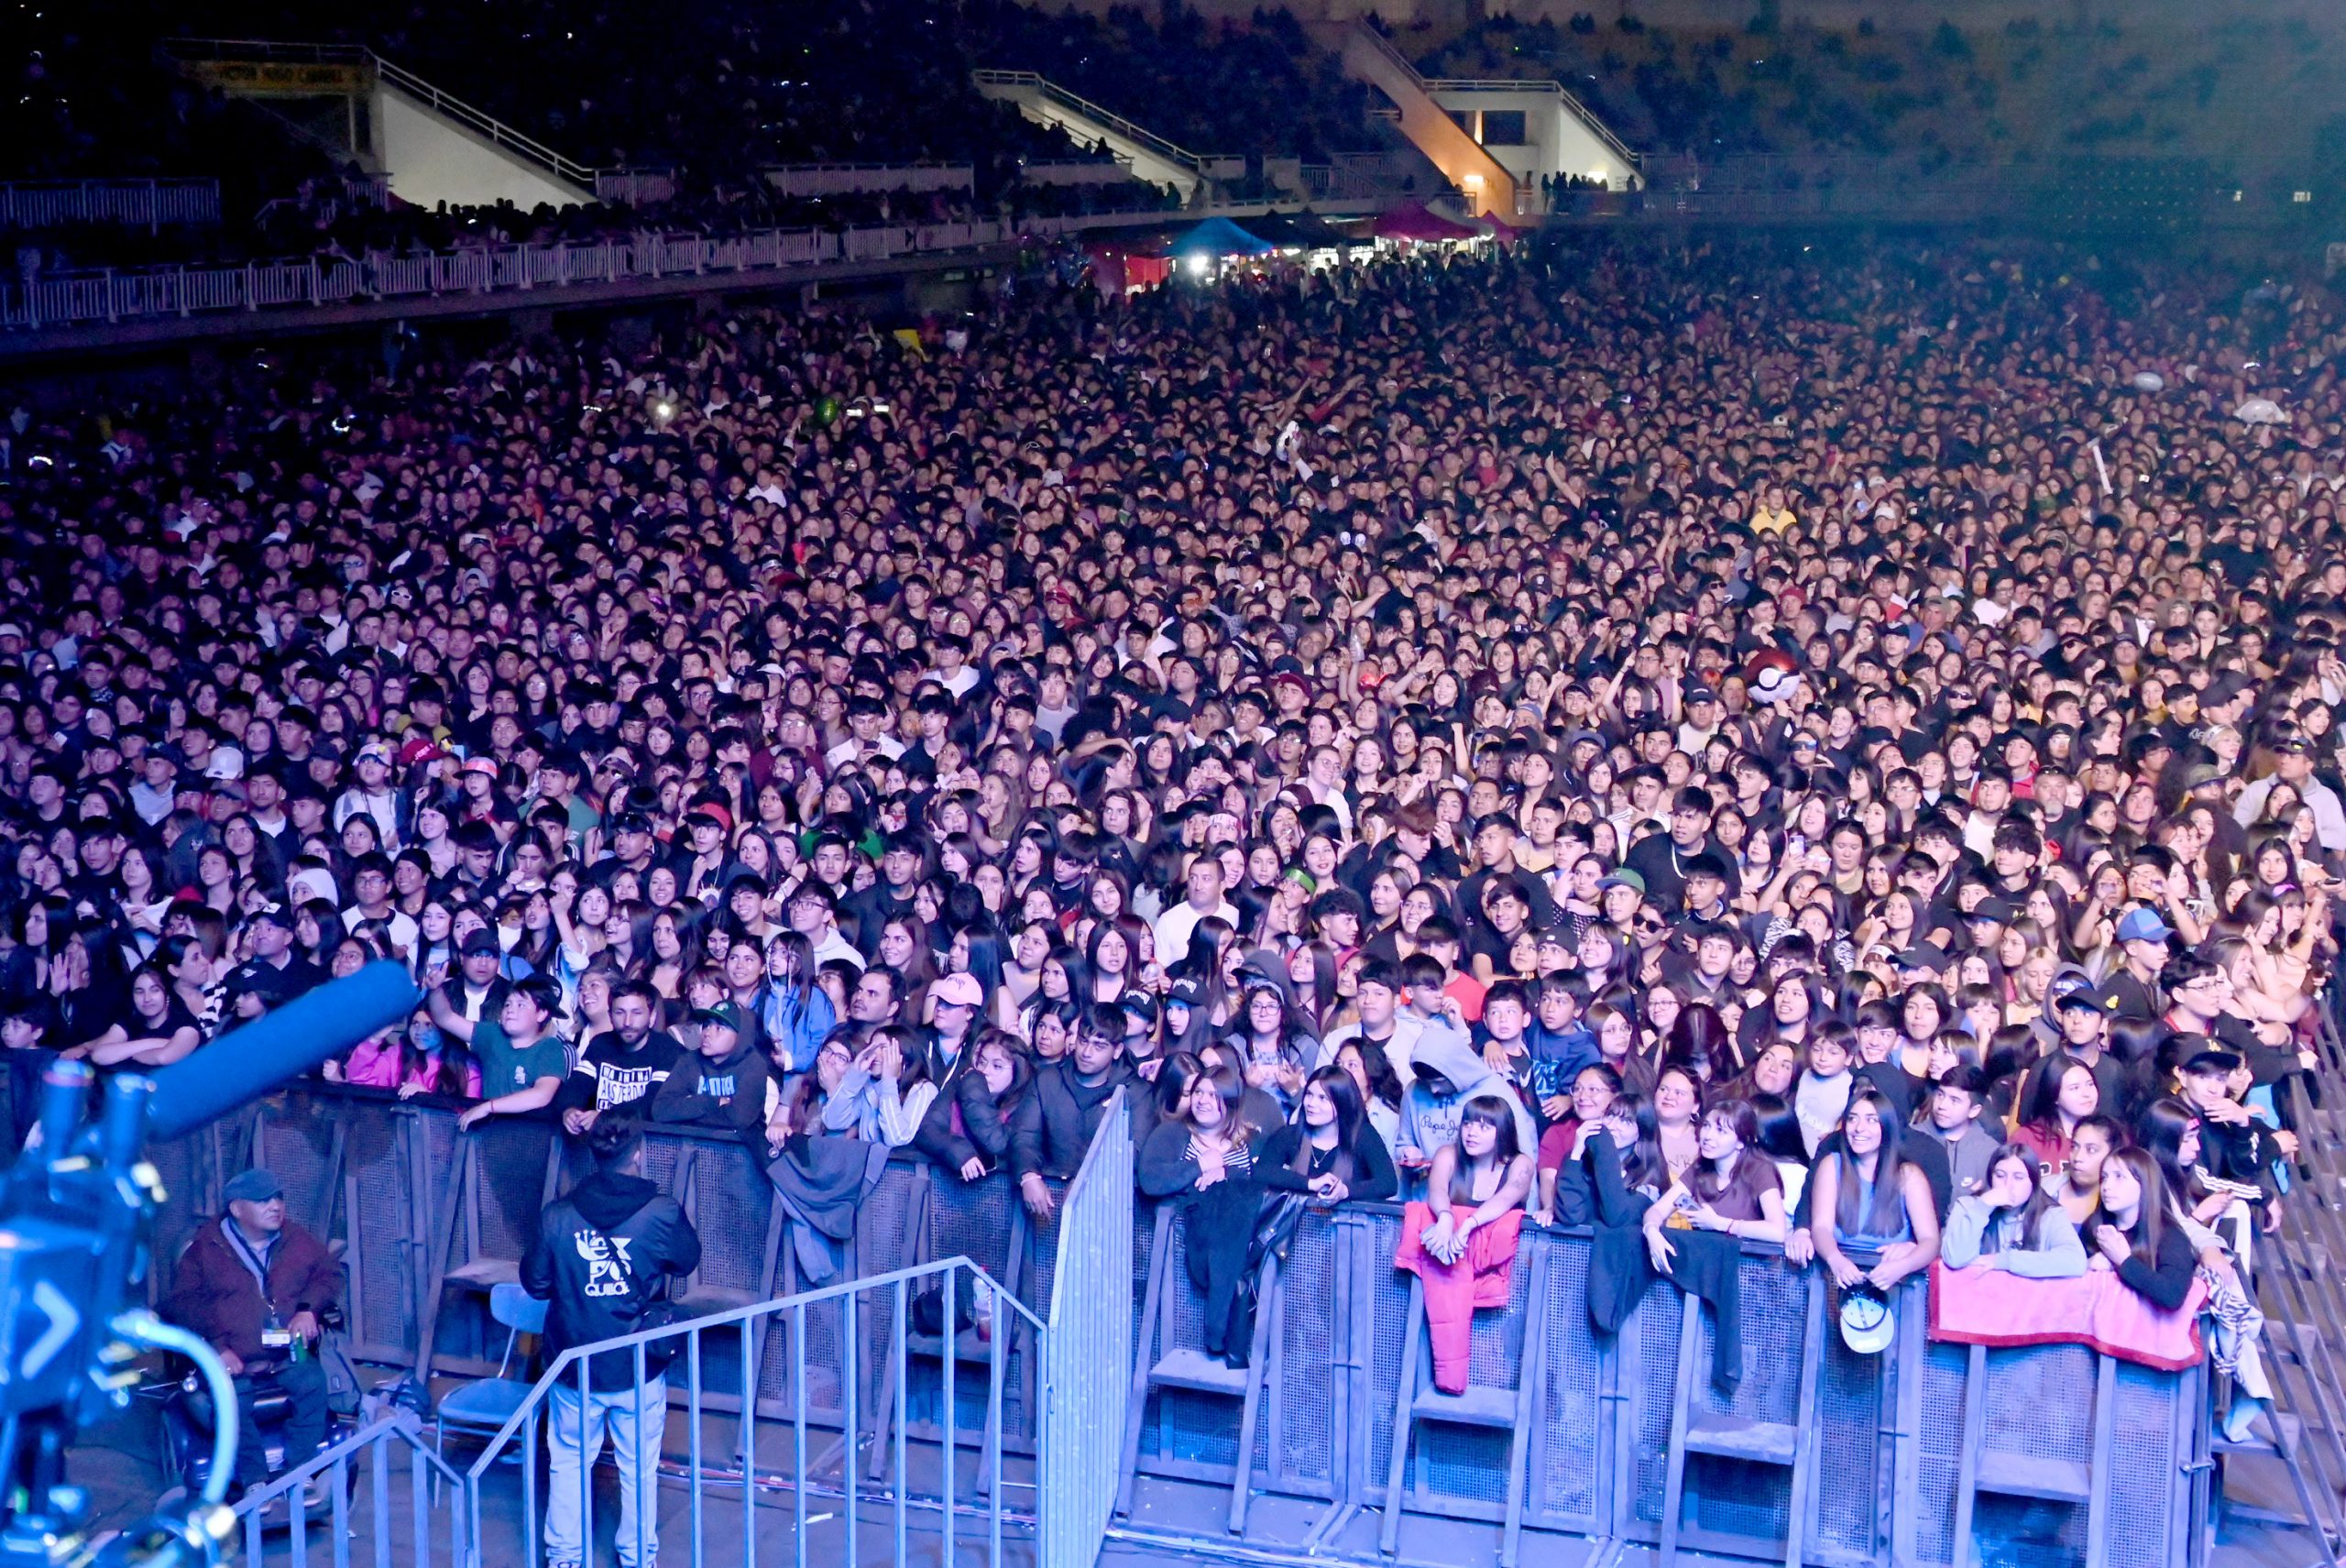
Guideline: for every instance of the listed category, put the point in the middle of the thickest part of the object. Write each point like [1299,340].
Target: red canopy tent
[1417,221]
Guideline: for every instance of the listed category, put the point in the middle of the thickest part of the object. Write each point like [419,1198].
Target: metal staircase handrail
[480,120]
[1541,85]
[446,104]
[1460,84]
[1169,152]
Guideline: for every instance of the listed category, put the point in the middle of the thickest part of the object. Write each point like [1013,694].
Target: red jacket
[218,1297]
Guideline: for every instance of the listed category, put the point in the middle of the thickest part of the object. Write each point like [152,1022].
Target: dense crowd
[1833,749]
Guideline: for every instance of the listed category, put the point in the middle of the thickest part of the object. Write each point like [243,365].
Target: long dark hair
[1744,1120]
[2039,1198]
[2160,1133]
[1884,1213]
[1345,1095]
[2042,1107]
[2150,1220]
[1642,1164]
[454,1076]
[1173,1078]
[1700,1045]
[1485,1110]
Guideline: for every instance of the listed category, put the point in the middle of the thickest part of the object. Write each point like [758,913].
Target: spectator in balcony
[2014,1223]
[604,1253]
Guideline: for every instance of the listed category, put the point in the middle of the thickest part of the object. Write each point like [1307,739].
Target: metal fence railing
[112,296]
[820,1411]
[1108,119]
[810,1456]
[1086,1385]
[132,203]
[363,1503]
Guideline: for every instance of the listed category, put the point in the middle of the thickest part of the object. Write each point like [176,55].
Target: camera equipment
[75,1222]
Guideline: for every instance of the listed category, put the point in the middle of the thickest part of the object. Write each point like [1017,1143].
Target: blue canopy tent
[1217,237]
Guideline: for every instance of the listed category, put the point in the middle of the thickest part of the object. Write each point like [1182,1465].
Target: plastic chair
[485,1406]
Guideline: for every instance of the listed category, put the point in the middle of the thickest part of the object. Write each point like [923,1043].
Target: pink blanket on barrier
[1985,1306]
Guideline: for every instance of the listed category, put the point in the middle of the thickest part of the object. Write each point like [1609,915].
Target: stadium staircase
[1564,136]
[1149,156]
[432,146]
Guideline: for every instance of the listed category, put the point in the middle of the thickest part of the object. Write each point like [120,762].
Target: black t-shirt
[609,1074]
[2135,1000]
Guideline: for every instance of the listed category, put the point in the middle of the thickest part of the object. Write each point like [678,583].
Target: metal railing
[114,296]
[1544,85]
[1085,1389]
[837,179]
[1107,118]
[857,1311]
[133,204]
[433,1487]
[479,120]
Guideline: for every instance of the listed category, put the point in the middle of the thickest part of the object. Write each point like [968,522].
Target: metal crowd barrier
[132,203]
[1588,1450]
[1599,1445]
[427,1220]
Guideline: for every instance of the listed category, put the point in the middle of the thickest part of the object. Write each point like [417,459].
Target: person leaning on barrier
[605,1253]
[721,1082]
[254,1284]
[2014,1223]
[967,1129]
[1867,1192]
[521,1063]
[1054,1125]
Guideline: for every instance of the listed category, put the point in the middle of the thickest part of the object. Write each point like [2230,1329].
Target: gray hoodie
[1429,1120]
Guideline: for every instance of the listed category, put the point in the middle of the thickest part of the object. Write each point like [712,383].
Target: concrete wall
[1557,141]
[431,160]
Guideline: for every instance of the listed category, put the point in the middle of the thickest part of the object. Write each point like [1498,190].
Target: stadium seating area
[2021,92]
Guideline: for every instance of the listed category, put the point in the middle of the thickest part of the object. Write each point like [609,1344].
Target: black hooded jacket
[604,1253]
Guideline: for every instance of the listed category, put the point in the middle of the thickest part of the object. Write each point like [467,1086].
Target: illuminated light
[1201,264]
[663,411]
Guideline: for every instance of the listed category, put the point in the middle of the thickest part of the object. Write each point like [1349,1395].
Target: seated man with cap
[254,1284]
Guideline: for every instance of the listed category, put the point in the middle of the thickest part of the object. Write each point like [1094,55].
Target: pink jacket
[377,1066]
[1479,1278]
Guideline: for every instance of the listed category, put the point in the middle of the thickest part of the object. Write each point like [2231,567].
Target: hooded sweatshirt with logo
[603,1258]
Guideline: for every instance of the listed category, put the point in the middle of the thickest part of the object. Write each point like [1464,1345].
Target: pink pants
[1452,1290]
